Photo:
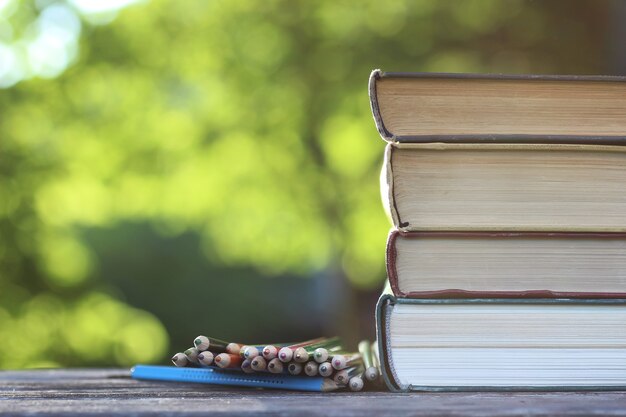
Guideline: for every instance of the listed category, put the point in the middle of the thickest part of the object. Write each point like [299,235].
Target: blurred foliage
[244,124]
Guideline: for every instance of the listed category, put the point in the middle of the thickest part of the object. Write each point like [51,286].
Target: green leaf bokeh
[196,154]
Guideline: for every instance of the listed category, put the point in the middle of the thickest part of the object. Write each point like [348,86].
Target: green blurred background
[171,168]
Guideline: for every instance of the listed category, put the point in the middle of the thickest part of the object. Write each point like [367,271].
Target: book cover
[562,240]
[499,108]
[383,313]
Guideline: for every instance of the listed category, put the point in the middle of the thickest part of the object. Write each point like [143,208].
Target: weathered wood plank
[112,392]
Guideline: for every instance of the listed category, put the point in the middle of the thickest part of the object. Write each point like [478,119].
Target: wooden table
[112,392]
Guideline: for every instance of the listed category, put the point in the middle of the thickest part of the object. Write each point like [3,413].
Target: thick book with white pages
[502,344]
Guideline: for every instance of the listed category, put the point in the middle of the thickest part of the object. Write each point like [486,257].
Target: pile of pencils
[322,357]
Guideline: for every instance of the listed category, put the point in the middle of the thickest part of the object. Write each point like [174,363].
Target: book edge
[382,330]
[393,384]
[391,256]
[501,76]
[388,136]
[459,293]
[390,199]
[619,140]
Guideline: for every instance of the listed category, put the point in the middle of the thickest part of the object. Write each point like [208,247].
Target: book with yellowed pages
[506,265]
[507,260]
[483,108]
[502,344]
[505,187]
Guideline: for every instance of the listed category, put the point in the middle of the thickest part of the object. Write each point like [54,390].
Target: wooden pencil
[228,361]
[294,368]
[180,359]
[234,348]
[285,354]
[192,355]
[343,376]
[203,343]
[246,366]
[330,385]
[249,352]
[275,366]
[356,383]
[205,358]
[325,369]
[270,352]
[302,353]
[365,349]
[258,363]
[311,368]
[340,362]
[322,354]
[376,362]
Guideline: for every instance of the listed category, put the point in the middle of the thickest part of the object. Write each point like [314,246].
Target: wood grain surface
[112,392]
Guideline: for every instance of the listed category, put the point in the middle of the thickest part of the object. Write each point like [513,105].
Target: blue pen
[233,378]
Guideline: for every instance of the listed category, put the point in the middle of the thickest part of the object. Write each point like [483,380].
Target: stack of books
[507,258]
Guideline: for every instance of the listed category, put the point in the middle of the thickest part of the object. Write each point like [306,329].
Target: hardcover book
[502,344]
[504,264]
[431,107]
[505,187]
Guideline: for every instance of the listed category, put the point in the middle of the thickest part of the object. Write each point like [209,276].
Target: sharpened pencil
[322,354]
[303,353]
[325,369]
[228,361]
[294,368]
[343,377]
[275,366]
[249,352]
[376,362]
[270,352]
[205,358]
[311,368]
[365,349]
[203,343]
[233,348]
[246,366]
[258,363]
[192,355]
[285,354]
[356,383]
[340,362]
[300,355]
[180,360]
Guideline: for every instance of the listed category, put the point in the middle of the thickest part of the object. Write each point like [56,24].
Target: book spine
[390,260]
[378,120]
[387,191]
[382,339]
